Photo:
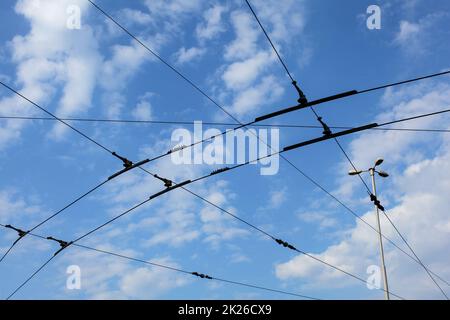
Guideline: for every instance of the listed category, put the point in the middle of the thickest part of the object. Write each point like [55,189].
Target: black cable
[414,253]
[288,126]
[240,219]
[405,81]
[190,273]
[151,174]
[55,117]
[159,265]
[353,165]
[163,62]
[270,41]
[161,59]
[30,277]
[341,96]
[327,131]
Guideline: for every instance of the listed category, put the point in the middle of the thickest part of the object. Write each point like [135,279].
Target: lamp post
[383,174]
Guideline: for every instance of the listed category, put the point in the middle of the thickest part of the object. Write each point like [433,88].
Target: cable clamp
[201,275]
[176,148]
[63,244]
[285,244]
[219,171]
[126,163]
[20,232]
[167,183]
[377,203]
[326,128]
[302,98]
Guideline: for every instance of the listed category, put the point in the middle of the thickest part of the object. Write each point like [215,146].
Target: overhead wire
[208,123]
[327,131]
[64,244]
[179,270]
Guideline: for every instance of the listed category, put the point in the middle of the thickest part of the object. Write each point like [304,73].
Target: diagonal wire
[270,41]
[414,253]
[340,146]
[166,63]
[55,117]
[202,92]
[159,265]
[147,200]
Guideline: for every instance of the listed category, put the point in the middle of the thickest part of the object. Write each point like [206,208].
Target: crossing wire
[172,68]
[208,123]
[159,265]
[133,208]
[391,122]
[326,128]
[279,241]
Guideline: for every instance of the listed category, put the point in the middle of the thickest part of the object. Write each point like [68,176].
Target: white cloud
[240,74]
[277,198]
[51,54]
[322,219]
[143,109]
[136,16]
[416,38]
[184,55]
[212,24]
[13,207]
[247,33]
[152,282]
[256,97]
[408,31]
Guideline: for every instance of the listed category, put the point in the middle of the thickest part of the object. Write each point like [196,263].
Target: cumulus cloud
[184,55]
[416,38]
[51,55]
[212,24]
[255,97]
[143,109]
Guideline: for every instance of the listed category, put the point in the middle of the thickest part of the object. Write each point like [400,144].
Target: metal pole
[383,266]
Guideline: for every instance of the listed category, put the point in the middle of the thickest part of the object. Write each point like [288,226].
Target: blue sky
[99,72]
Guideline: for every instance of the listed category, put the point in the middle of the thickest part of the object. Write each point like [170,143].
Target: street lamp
[382,174]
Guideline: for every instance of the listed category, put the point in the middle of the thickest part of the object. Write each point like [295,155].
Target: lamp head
[354,172]
[383,174]
[378,162]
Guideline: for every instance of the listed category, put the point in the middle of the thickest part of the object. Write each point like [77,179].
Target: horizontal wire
[287,126]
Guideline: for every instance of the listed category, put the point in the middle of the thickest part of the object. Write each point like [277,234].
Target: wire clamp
[20,232]
[167,183]
[326,128]
[220,170]
[176,148]
[377,203]
[302,98]
[201,275]
[63,244]
[285,244]
[126,163]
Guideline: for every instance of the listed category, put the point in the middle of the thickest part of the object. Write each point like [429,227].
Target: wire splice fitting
[201,275]
[302,98]
[126,163]
[20,232]
[377,203]
[62,244]
[285,244]
[326,129]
